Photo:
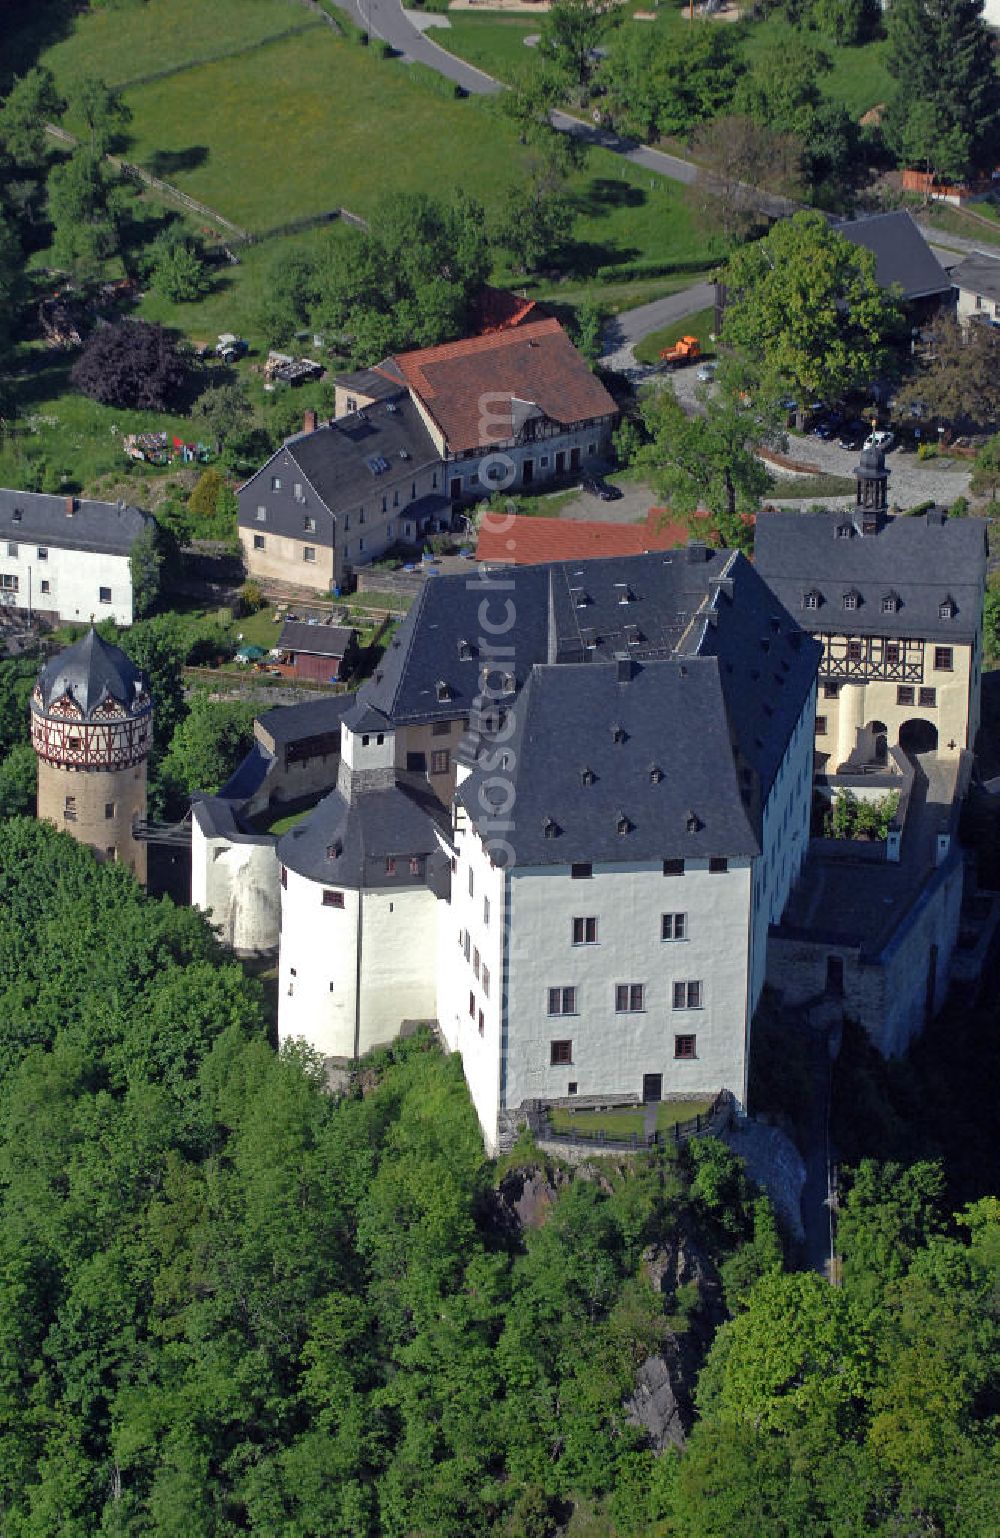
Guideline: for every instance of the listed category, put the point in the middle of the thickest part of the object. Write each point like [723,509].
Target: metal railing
[701,1125]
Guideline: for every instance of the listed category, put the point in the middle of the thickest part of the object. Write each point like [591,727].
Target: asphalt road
[386,19]
[623,331]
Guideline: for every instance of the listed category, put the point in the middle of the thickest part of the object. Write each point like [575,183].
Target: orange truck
[684,351]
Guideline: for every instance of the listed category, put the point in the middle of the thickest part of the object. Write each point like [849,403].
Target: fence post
[697,1123]
[677,1131]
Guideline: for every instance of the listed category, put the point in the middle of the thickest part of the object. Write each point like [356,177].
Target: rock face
[525,1196]
[662,1402]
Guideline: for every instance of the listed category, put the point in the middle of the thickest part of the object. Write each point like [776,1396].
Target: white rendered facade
[65,584]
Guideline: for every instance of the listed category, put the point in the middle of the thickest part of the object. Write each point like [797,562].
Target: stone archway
[918,736]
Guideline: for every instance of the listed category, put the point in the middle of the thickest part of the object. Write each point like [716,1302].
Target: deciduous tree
[132,363]
[956,379]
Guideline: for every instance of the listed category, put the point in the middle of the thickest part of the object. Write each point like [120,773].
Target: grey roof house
[66,557]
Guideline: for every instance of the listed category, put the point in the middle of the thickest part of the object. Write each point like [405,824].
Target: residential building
[340,495]
[904,261]
[63,558]
[896,604]
[515,540]
[977,285]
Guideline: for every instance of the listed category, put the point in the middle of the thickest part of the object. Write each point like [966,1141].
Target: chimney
[697,552]
[309,422]
[625,667]
[71,506]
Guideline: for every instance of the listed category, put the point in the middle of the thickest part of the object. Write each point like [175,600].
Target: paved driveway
[911,480]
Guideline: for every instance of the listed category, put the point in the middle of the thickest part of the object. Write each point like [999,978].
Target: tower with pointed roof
[91,728]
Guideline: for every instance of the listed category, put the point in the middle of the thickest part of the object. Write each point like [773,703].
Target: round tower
[91,727]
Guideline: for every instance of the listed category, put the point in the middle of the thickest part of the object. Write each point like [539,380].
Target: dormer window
[844,530]
[619,734]
[655,774]
[625,595]
[550,828]
[443,691]
[464,650]
[587,776]
[810,600]
[948,609]
[890,603]
[851,600]
[623,825]
[508,683]
[694,823]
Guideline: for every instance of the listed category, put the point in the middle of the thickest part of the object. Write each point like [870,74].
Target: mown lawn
[492,43]
[670,1112]
[859,78]
[615,1124]
[699,324]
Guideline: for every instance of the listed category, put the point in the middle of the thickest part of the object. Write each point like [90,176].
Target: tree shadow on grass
[604,193]
[582,258]
[167,163]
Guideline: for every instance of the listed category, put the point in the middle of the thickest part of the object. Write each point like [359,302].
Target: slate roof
[924,560]
[336,460]
[103,527]
[534,364]
[368,381]
[93,670]
[521,541]
[401,820]
[670,717]
[316,640]
[902,255]
[978,274]
[294,723]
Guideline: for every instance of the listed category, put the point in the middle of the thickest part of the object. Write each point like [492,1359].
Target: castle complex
[569,818]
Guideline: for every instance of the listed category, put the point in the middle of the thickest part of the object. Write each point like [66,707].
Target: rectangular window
[46,588]
[284,876]
[485,980]
[361,544]
[472,1004]
[309,525]
[258,541]
[927,698]
[43,553]
[482,1023]
[486,913]
[109,809]
[850,600]
[69,809]
[821,726]
[562,1001]
[275,482]
[904,694]
[11,549]
[104,594]
[673,867]
[332,899]
[582,871]
[629,998]
[892,651]
[441,729]
[560,1053]
[309,552]
[718,865]
[390,864]
[585,931]
[854,651]
[440,761]
[831,691]
[475,962]
[673,926]
[685,1046]
[687,995]
[944,659]
[262,514]
[416,865]
[298,492]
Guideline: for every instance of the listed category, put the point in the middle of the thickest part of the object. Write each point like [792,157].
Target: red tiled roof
[469,386]
[496,309]
[520,541]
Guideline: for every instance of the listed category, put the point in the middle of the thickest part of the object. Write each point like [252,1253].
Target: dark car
[829,426]
[602,489]
[853,435]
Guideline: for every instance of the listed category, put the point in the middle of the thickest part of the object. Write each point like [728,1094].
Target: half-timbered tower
[91,727]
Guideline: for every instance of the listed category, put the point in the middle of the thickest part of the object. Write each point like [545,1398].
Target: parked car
[602,489]
[707,372]
[882,439]
[829,426]
[852,435]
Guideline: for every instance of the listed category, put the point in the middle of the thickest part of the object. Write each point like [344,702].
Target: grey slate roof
[248,776]
[317,640]
[399,821]
[294,723]
[370,382]
[923,560]
[93,670]
[978,274]
[902,255]
[103,527]
[334,461]
[670,716]
[566,611]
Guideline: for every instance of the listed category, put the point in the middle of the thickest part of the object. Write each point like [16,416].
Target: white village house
[63,558]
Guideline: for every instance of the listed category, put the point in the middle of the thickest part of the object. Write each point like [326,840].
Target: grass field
[670,1112]
[616,1124]
[699,324]
[859,77]
[493,43]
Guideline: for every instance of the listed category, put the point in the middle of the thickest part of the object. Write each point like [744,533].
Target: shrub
[252,597]
[204,500]
[132,363]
